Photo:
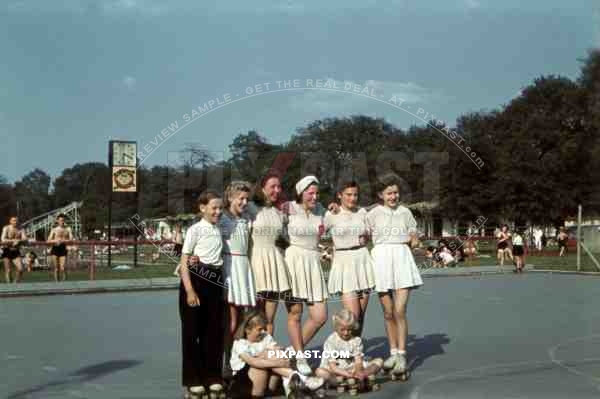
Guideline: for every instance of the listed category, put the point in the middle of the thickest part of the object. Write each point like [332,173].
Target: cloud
[345,102]
[472,4]
[129,82]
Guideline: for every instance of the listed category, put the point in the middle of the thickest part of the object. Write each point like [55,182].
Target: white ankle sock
[393,351]
[399,352]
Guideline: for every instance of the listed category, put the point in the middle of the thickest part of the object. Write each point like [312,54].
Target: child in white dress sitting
[255,368]
[344,341]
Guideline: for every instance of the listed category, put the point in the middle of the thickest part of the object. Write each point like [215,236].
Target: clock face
[124,154]
[124,179]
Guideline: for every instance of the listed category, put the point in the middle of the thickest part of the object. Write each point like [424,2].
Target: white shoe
[176,271]
[390,362]
[314,383]
[303,367]
[400,366]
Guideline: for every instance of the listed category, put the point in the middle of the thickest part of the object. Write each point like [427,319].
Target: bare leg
[364,302]
[19,271]
[501,257]
[55,268]
[61,263]
[270,309]
[294,324]
[391,327]
[259,378]
[351,301]
[317,317]
[7,270]
[400,304]
[233,318]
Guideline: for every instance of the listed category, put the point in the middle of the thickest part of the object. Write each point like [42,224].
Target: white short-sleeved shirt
[204,240]
[391,226]
[267,224]
[304,229]
[236,232]
[346,227]
[243,346]
[354,346]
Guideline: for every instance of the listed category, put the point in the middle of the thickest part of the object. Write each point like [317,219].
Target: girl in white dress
[393,230]
[352,266]
[266,258]
[241,291]
[344,340]
[303,258]
[255,368]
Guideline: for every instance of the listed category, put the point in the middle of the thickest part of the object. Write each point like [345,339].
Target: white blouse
[334,342]
[204,240]
[346,227]
[236,232]
[391,226]
[267,224]
[304,229]
[243,346]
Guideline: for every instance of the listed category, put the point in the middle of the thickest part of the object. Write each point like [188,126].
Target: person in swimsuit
[58,237]
[11,240]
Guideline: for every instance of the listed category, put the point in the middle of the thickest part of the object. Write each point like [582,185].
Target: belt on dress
[307,248]
[350,248]
[234,254]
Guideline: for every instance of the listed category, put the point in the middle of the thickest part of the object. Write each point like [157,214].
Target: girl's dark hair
[345,185]
[207,196]
[387,180]
[251,320]
[61,215]
[259,197]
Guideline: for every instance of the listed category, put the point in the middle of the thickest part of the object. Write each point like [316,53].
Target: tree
[32,194]
[7,200]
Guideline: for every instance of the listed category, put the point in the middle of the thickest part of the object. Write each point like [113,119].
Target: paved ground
[535,335]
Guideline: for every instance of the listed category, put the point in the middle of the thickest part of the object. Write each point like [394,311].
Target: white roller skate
[400,370]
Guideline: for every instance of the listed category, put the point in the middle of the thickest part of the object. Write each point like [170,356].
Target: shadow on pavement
[82,375]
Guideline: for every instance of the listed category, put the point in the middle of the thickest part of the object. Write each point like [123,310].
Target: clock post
[122,159]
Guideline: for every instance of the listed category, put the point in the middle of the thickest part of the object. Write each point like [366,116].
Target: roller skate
[400,370]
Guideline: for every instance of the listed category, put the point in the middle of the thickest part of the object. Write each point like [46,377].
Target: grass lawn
[164,266]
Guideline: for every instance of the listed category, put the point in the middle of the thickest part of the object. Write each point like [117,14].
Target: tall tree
[33,194]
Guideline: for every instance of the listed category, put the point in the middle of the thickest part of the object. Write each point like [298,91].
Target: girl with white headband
[303,258]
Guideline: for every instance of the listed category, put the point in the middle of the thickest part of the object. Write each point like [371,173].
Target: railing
[93,253]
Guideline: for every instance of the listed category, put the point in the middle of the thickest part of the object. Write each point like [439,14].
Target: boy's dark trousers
[203,327]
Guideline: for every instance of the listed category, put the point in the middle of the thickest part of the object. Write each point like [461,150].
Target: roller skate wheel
[198,390]
[321,393]
[375,387]
[351,381]
[393,376]
[353,392]
[341,389]
[339,380]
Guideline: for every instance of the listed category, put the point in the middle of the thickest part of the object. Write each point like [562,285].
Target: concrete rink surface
[503,336]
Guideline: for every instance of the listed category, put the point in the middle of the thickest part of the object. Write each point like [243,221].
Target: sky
[75,74]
